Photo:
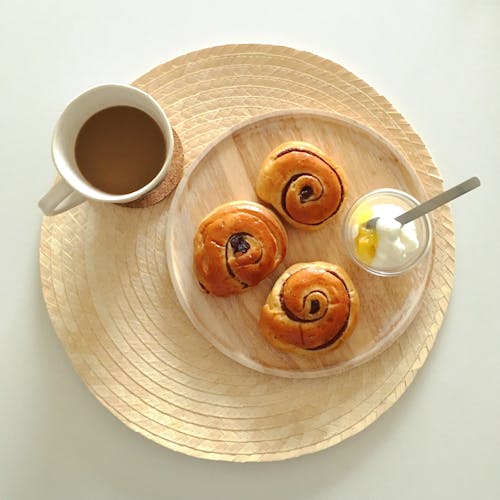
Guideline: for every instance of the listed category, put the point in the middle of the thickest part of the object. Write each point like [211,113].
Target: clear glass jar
[366,205]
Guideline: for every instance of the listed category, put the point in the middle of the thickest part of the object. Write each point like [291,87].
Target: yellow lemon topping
[366,244]
[366,239]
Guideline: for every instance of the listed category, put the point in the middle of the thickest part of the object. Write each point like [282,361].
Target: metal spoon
[433,203]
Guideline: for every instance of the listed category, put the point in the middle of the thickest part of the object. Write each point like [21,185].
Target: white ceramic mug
[73,189]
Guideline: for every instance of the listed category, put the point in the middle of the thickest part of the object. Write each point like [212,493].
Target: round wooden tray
[108,292]
[227,171]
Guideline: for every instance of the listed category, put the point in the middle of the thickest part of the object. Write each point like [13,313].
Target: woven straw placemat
[108,293]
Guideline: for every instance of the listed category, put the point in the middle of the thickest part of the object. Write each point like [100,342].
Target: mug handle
[61,197]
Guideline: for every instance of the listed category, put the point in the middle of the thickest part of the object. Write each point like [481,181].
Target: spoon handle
[440,199]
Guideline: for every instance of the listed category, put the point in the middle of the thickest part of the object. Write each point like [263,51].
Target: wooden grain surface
[228,172]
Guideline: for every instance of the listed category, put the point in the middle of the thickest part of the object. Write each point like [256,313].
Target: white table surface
[438,62]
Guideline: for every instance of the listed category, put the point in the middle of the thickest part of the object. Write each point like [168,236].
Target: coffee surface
[120,149]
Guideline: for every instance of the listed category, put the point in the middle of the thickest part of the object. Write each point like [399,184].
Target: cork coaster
[168,184]
[109,295]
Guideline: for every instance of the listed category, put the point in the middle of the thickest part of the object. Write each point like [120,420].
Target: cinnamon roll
[236,246]
[311,307]
[302,183]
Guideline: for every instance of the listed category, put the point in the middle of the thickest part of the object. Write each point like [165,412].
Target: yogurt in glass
[389,248]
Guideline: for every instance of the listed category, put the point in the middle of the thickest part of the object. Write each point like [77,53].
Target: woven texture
[107,290]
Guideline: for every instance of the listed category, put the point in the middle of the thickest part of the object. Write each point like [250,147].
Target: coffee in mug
[120,149]
[113,143]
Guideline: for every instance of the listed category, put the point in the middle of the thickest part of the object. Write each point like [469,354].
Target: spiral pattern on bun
[311,307]
[236,246]
[302,184]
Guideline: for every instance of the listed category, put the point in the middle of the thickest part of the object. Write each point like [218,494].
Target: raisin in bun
[236,246]
[312,307]
[302,183]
